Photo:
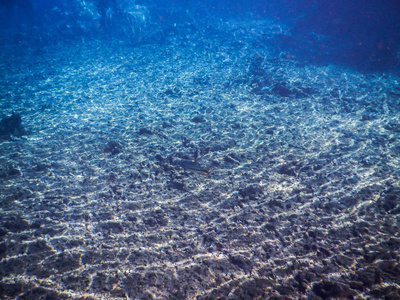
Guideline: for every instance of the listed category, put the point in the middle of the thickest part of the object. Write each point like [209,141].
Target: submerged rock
[389,200]
[281,90]
[175,185]
[144,130]
[9,171]
[198,119]
[252,192]
[333,290]
[11,125]
[113,148]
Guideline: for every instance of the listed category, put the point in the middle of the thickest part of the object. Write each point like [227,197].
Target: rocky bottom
[302,200]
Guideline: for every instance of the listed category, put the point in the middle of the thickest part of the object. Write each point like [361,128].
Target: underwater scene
[233,149]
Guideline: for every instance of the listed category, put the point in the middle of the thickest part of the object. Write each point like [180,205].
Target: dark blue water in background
[360,34]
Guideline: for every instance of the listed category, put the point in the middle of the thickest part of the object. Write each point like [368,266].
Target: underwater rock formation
[11,125]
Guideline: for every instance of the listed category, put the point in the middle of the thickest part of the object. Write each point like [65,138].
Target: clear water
[293,106]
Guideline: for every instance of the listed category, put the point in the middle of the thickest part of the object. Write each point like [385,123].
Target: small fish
[193,167]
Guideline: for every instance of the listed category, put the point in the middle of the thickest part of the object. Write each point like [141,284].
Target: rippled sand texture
[303,195]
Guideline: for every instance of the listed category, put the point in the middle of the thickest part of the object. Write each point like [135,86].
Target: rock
[12,266]
[79,283]
[175,185]
[389,201]
[99,283]
[3,232]
[132,217]
[144,131]
[332,290]
[281,90]
[38,247]
[9,171]
[252,192]
[343,260]
[63,243]
[198,119]
[241,262]
[150,221]
[51,230]
[304,278]
[252,289]
[11,125]
[3,250]
[166,125]
[393,243]
[65,262]
[156,218]
[286,170]
[348,201]
[223,146]
[112,227]
[286,289]
[41,293]
[388,270]
[11,290]
[113,148]
[175,92]
[231,158]
[366,277]
[256,68]
[16,224]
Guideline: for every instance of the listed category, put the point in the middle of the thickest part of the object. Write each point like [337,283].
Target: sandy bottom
[302,201]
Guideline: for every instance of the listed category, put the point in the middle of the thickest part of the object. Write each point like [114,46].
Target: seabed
[302,200]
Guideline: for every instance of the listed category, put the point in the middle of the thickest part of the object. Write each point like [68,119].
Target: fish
[193,167]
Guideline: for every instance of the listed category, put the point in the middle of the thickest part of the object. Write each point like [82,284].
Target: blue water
[286,114]
[353,33]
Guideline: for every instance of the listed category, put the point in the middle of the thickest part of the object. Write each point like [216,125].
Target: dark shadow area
[355,33]
[17,19]
[17,12]
[359,34]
